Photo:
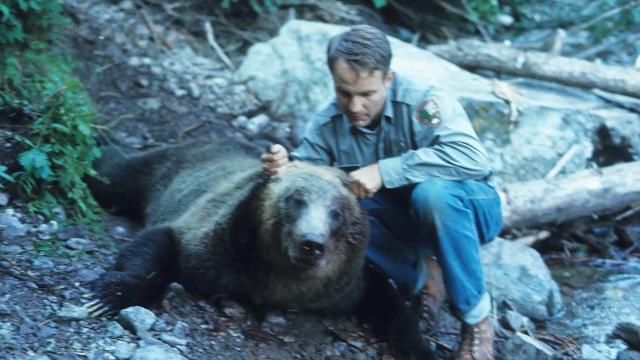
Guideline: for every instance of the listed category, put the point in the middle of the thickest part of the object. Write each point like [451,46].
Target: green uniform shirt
[423,133]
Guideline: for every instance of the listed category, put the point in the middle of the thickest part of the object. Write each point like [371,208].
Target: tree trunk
[539,65]
[580,194]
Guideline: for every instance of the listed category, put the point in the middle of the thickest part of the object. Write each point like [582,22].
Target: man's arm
[448,148]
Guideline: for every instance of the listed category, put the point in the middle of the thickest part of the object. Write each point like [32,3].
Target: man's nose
[355,105]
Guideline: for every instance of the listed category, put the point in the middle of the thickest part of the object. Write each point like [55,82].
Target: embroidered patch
[428,113]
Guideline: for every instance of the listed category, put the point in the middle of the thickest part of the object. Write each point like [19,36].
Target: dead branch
[212,41]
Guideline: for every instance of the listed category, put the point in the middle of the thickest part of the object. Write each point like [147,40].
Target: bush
[58,141]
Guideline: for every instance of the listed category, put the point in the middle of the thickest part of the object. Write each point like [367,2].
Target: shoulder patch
[428,113]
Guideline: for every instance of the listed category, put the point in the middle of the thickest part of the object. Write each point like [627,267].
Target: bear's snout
[312,246]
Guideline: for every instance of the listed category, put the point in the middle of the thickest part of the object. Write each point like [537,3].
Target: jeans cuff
[478,312]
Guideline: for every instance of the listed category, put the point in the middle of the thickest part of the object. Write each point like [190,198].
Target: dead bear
[215,223]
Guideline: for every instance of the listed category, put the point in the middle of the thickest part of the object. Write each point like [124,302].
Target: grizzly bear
[217,224]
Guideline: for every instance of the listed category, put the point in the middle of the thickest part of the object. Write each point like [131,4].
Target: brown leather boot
[433,295]
[476,341]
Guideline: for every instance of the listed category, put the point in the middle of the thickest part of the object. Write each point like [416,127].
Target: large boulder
[289,73]
[517,274]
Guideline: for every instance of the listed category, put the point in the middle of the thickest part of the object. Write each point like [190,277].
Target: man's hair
[363,47]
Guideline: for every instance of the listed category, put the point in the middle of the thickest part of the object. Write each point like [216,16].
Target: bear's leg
[392,316]
[141,274]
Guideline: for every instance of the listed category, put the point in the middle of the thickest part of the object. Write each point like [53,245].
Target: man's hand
[366,181]
[275,159]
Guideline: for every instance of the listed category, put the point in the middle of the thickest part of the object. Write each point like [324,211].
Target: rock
[275,319]
[628,355]
[515,321]
[517,274]
[42,263]
[88,275]
[80,244]
[232,309]
[173,340]
[290,75]
[180,329]
[4,198]
[597,352]
[4,310]
[151,104]
[12,227]
[156,352]
[72,312]
[115,329]
[524,347]
[123,350]
[257,123]
[136,319]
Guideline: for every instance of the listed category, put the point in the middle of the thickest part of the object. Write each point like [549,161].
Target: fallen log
[539,65]
[583,193]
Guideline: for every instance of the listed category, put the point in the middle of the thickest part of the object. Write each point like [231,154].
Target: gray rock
[4,198]
[150,104]
[597,352]
[257,123]
[173,340]
[42,263]
[275,319]
[115,329]
[123,350]
[12,227]
[88,275]
[4,310]
[11,249]
[628,355]
[156,352]
[524,347]
[136,319]
[72,312]
[180,329]
[80,244]
[515,321]
[517,274]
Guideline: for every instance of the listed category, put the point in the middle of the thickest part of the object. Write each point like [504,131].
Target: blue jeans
[446,218]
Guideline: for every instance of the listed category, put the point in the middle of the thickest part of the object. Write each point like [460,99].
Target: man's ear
[388,79]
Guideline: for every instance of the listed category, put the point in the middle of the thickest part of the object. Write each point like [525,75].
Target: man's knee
[434,196]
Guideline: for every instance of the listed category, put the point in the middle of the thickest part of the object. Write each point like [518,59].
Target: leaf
[37,162]
[84,129]
[5,12]
[379,3]
[4,175]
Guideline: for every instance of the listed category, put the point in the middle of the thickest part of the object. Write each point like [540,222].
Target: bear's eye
[296,202]
[336,216]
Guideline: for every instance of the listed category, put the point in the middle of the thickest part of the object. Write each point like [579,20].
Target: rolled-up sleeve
[454,151]
[313,148]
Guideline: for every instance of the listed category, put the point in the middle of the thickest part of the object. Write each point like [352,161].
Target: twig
[154,31]
[438,342]
[476,22]
[184,131]
[559,37]
[212,41]
[628,213]
[532,239]
[562,162]
[604,15]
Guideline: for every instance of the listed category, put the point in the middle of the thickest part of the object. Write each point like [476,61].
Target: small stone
[172,340]
[89,275]
[136,319]
[232,309]
[42,263]
[4,310]
[115,329]
[72,312]
[149,103]
[180,329]
[80,244]
[156,352]
[123,350]
[4,198]
[275,319]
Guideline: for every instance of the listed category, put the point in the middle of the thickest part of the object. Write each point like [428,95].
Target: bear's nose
[312,246]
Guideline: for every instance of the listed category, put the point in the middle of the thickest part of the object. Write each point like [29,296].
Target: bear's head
[311,222]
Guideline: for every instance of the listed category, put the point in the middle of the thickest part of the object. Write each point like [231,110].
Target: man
[420,172]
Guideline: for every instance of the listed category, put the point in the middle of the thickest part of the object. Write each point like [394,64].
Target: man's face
[361,94]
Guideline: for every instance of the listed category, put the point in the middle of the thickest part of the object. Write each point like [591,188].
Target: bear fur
[296,240]
[214,222]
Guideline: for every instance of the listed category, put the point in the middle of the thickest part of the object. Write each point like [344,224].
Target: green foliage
[622,20]
[259,6]
[484,10]
[59,144]
[379,3]
[22,20]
